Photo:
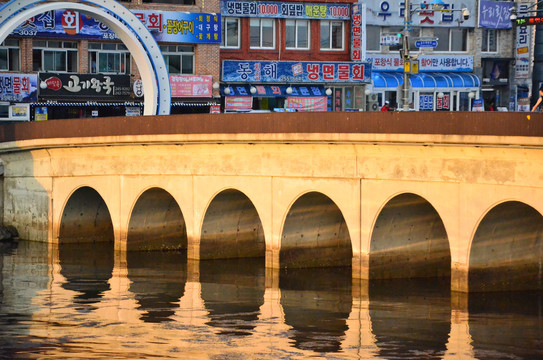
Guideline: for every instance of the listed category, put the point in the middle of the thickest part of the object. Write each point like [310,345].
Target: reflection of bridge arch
[130,30]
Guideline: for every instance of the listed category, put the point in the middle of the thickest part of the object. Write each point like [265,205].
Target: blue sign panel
[275,90]
[495,15]
[426,43]
[426,102]
[18,87]
[165,26]
[285,10]
[295,71]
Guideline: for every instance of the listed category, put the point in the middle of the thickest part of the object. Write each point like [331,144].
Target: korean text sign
[296,72]
[286,10]
[165,26]
[84,86]
[18,87]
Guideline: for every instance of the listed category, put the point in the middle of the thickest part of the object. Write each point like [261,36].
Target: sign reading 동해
[165,26]
[295,71]
[285,10]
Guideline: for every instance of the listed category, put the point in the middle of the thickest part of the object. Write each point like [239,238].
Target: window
[297,34]
[178,58]
[10,56]
[451,39]
[373,38]
[414,33]
[262,33]
[332,35]
[490,40]
[230,32]
[109,58]
[57,56]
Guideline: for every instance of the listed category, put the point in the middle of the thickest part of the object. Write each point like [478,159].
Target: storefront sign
[165,26]
[276,90]
[87,86]
[358,36]
[426,62]
[426,102]
[238,103]
[306,103]
[191,85]
[138,88]
[132,111]
[215,109]
[40,113]
[391,13]
[495,15]
[285,10]
[443,103]
[19,112]
[523,48]
[295,72]
[18,87]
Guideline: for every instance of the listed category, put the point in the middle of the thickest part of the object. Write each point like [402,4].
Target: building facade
[63,64]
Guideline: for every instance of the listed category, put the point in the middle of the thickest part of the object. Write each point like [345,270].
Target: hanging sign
[285,10]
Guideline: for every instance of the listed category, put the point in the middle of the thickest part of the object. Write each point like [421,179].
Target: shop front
[291,85]
[444,83]
[69,96]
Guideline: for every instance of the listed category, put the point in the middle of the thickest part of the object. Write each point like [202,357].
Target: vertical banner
[523,47]
[358,32]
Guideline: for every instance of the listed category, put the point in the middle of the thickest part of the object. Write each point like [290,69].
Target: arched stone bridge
[391,194]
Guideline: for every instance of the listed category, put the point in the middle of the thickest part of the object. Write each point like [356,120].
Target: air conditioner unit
[373,97]
[372,106]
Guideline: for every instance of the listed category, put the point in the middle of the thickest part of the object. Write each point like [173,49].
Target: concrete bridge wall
[391,205]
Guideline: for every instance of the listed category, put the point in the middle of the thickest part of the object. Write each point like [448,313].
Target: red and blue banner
[295,72]
[306,103]
[285,10]
[275,90]
[18,87]
[165,26]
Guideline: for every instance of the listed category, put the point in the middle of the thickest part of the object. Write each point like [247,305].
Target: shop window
[230,33]
[451,39]
[57,56]
[262,33]
[109,58]
[179,58]
[178,2]
[297,34]
[10,56]
[490,41]
[373,38]
[332,35]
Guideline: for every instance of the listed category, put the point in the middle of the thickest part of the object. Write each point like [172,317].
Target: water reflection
[411,318]
[157,280]
[157,306]
[316,303]
[233,292]
[87,267]
[507,325]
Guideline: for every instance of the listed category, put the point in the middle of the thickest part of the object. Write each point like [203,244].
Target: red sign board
[191,85]
[238,102]
[306,103]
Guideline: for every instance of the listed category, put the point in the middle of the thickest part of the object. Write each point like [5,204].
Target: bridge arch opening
[231,228]
[315,234]
[507,250]
[156,223]
[409,240]
[86,218]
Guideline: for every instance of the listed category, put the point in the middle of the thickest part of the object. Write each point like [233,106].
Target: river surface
[87,302]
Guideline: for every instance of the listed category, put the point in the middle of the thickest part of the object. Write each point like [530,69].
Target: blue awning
[426,80]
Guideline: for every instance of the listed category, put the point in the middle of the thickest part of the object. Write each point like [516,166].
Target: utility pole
[405,53]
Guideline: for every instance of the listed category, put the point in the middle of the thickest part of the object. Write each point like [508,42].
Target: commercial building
[63,64]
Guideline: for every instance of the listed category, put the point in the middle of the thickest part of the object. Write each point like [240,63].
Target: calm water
[87,303]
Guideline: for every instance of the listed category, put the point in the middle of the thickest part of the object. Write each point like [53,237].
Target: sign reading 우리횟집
[295,71]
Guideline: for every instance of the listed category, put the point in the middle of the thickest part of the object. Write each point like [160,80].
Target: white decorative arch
[135,36]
